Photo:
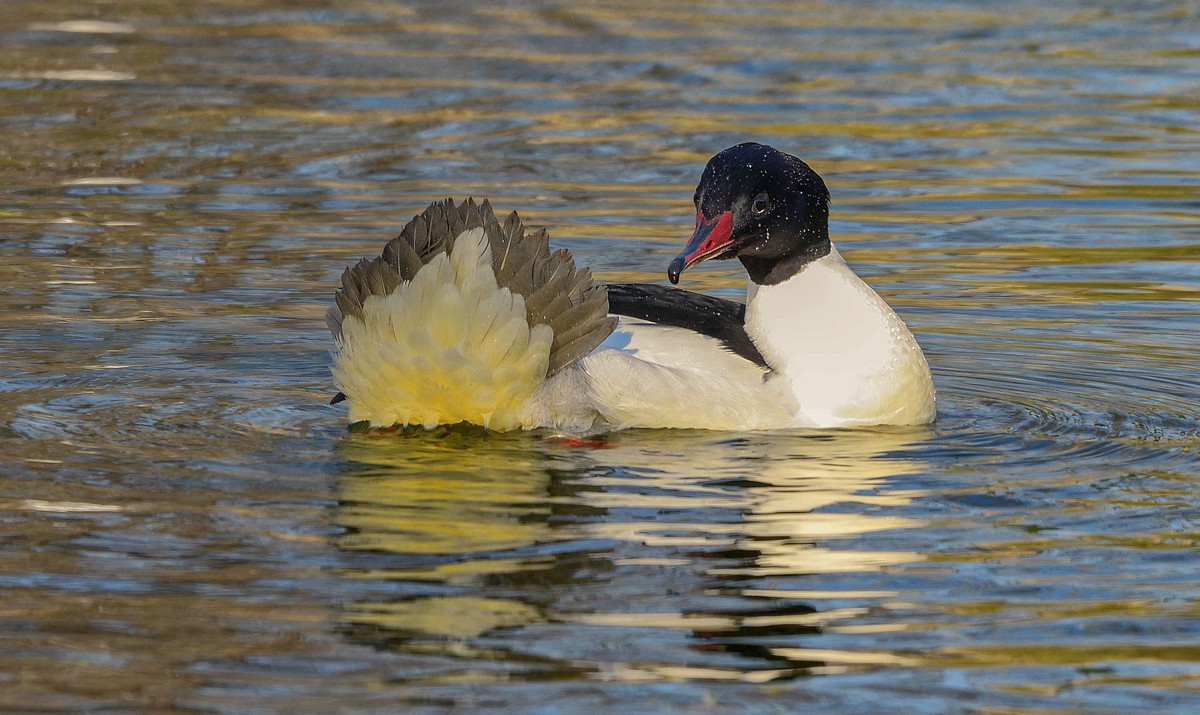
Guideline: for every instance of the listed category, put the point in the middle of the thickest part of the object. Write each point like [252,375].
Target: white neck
[845,354]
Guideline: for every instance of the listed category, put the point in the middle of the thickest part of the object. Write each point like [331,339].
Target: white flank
[657,376]
[447,347]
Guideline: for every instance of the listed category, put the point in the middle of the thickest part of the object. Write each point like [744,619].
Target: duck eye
[761,205]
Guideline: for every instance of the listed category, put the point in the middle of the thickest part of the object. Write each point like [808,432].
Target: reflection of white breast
[848,358]
[804,492]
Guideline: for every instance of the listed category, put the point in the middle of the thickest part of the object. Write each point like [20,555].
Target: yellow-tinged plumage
[449,346]
[464,318]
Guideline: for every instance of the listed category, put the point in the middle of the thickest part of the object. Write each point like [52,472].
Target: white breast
[846,355]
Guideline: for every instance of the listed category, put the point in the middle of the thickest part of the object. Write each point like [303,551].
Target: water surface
[188,526]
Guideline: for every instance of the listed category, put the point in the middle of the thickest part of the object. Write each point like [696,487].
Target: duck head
[762,206]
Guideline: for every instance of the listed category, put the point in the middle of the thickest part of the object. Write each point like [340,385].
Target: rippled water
[187,525]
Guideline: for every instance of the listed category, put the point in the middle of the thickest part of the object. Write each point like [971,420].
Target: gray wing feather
[556,294]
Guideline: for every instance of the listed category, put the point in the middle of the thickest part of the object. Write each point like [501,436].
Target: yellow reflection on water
[461,508]
[460,499]
[456,617]
[459,494]
[792,481]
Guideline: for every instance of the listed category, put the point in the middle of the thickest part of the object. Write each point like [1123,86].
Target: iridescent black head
[767,208]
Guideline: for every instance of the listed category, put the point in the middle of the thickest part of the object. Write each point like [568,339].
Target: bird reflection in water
[642,554]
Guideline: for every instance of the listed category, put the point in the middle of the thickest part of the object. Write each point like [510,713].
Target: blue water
[188,526]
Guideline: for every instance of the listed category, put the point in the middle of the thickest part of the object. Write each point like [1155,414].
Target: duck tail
[461,319]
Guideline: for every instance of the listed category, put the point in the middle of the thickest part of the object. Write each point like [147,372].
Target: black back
[715,317]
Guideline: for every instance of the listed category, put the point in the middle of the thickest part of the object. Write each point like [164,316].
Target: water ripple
[189,525]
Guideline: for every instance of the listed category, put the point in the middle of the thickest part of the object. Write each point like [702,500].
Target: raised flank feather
[545,285]
[469,318]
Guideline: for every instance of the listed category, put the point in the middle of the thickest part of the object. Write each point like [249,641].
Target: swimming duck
[465,318]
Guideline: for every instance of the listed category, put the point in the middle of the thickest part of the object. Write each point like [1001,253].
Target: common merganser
[467,319]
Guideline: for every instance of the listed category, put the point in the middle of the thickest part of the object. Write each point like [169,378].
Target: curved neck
[769,271]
